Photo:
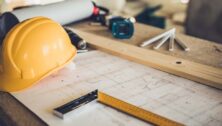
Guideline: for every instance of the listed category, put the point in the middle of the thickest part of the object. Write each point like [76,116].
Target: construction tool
[125,107]
[161,42]
[154,39]
[171,45]
[65,110]
[76,40]
[182,44]
[170,34]
[121,28]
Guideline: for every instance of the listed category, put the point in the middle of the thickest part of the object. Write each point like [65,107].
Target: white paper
[176,98]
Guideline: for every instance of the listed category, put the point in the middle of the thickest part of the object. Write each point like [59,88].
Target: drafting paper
[171,96]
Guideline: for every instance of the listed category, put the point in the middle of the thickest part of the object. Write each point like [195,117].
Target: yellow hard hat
[31,51]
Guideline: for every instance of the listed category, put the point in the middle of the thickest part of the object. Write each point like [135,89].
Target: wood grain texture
[201,51]
[194,71]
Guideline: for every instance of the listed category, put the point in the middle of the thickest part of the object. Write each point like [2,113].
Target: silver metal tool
[161,42]
[68,108]
[182,44]
[171,45]
[154,39]
[171,34]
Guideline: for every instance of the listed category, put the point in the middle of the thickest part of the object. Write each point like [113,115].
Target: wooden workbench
[204,52]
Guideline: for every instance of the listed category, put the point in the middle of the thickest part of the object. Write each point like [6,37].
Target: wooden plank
[194,71]
[201,51]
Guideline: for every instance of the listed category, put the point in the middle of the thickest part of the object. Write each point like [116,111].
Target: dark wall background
[204,19]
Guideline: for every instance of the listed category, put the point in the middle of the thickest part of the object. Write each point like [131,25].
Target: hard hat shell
[31,51]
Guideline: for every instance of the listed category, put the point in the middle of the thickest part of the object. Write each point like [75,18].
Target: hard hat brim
[8,84]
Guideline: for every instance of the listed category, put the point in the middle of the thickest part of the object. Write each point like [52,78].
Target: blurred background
[199,18]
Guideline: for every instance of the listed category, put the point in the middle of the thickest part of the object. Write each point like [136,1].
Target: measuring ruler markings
[118,104]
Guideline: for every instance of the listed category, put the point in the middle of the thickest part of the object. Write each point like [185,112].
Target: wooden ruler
[136,111]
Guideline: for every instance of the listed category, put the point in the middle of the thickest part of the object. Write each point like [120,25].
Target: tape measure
[117,104]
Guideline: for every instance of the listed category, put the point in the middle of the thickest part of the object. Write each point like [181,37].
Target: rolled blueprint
[64,12]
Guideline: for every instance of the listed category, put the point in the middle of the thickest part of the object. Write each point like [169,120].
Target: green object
[121,28]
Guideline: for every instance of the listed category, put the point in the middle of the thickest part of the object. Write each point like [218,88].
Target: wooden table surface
[14,113]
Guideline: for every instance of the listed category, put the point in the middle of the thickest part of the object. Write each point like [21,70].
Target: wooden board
[194,71]
[202,51]
[176,98]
